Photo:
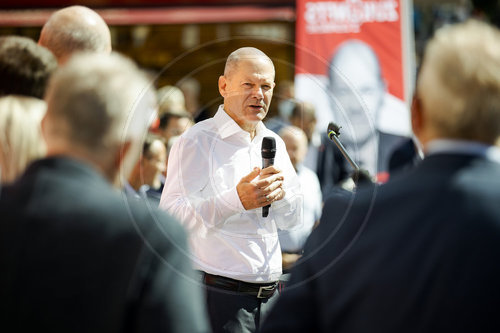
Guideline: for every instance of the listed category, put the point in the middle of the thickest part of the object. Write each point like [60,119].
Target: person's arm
[166,292]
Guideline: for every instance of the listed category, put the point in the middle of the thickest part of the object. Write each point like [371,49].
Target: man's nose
[258,92]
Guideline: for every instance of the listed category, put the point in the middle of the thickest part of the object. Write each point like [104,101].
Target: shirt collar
[129,190]
[227,126]
[463,147]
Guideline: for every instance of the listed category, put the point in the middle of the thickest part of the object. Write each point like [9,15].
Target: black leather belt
[259,290]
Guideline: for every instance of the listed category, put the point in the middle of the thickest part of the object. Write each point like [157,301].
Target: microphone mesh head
[333,130]
[268,149]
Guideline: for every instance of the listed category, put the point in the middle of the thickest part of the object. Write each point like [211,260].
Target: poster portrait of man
[353,64]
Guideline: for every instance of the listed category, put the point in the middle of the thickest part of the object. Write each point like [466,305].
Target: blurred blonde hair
[20,135]
[459,85]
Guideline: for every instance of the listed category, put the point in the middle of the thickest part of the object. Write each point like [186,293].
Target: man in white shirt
[216,188]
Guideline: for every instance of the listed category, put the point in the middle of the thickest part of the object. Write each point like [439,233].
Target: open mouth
[257,107]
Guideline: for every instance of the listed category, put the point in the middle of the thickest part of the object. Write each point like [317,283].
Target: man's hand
[259,192]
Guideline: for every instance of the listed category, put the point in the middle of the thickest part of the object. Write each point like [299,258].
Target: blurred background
[178,40]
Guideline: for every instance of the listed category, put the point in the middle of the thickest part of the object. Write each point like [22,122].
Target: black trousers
[235,312]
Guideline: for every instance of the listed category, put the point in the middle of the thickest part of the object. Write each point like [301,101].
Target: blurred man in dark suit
[419,254]
[76,256]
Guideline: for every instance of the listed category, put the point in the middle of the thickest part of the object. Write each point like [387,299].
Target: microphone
[268,152]
[333,131]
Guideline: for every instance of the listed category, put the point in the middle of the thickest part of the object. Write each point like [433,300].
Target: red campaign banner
[323,25]
[353,64]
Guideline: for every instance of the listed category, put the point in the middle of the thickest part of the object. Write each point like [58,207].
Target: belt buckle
[265,288]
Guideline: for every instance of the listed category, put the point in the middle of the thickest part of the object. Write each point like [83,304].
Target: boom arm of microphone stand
[361,176]
[332,135]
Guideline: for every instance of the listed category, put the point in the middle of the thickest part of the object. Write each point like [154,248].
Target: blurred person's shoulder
[58,190]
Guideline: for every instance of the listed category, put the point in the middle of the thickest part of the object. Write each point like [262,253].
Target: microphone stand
[360,175]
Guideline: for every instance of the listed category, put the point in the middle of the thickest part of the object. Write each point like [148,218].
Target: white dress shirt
[204,167]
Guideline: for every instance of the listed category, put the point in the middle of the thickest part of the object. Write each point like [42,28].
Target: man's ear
[43,126]
[222,85]
[122,164]
[417,116]
[54,133]
[121,154]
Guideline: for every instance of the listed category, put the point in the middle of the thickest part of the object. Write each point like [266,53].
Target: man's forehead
[254,68]
[357,74]
[249,63]
[258,76]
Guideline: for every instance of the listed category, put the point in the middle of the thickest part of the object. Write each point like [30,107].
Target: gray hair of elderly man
[459,84]
[99,108]
[75,29]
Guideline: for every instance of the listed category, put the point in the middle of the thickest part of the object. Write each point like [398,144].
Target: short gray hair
[241,54]
[100,101]
[459,84]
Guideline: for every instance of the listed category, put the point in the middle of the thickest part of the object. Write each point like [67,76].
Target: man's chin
[256,117]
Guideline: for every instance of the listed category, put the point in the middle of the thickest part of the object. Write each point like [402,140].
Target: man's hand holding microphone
[261,187]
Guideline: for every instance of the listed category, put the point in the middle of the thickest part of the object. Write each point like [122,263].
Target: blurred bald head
[75,29]
[296,144]
[356,60]
[355,72]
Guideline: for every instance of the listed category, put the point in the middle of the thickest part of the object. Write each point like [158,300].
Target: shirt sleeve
[184,194]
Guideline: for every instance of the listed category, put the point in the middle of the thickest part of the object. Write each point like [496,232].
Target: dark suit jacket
[418,254]
[78,256]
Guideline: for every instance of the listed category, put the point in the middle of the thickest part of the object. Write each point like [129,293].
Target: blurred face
[154,163]
[356,88]
[175,127]
[305,123]
[247,91]
[365,82]
[296,147]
